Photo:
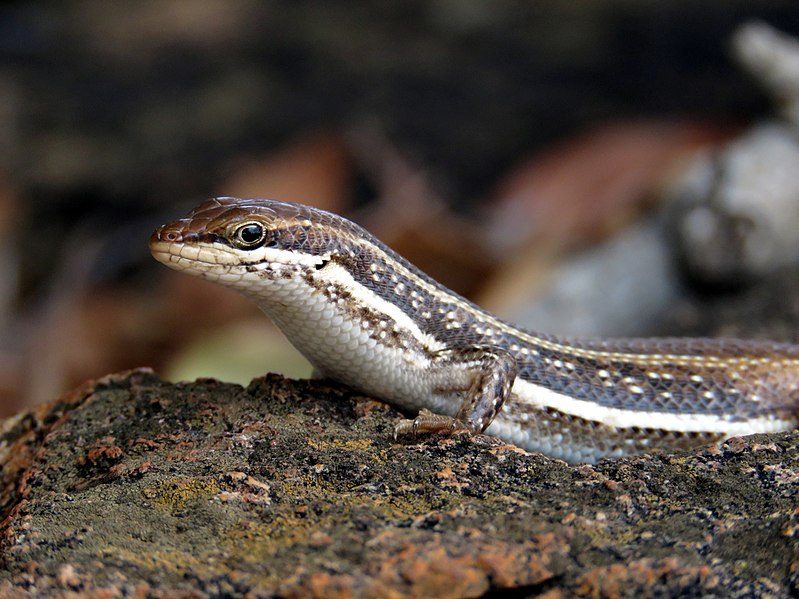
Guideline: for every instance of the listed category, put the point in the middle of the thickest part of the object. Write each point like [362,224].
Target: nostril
[173,234]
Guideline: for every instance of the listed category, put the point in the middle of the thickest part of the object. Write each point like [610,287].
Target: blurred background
[608,167]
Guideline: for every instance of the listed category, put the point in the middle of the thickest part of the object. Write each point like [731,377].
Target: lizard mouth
[189,251]
[161,249]
[181,251]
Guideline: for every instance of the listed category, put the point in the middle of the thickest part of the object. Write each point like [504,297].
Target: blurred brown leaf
[579,193]
[588,186]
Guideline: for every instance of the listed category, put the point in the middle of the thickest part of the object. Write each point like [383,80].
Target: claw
[432,423]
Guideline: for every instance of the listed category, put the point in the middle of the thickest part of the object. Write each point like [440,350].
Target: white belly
[350,351]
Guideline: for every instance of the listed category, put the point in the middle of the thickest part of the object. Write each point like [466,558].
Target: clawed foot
[490,372]
[428,422]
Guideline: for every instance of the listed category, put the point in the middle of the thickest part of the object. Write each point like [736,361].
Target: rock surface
[134,487]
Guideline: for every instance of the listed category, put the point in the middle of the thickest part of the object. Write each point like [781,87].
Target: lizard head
[249,244]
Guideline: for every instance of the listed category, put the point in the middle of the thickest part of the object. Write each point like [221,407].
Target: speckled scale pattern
[667,370]
[365,316]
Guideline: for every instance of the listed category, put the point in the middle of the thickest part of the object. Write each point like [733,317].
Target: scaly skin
[365,316]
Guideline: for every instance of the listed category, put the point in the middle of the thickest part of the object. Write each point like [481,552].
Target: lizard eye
[249,235]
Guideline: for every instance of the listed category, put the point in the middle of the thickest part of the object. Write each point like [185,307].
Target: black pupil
[251,233]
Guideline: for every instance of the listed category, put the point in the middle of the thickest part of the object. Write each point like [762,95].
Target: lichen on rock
[135,486]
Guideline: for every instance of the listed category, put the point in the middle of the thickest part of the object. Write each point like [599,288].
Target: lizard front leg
[488,373]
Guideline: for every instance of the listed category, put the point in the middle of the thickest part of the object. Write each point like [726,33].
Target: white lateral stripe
[227,255]
[336,273]
[287,257]
[541,397]
[209,255]
[481,315]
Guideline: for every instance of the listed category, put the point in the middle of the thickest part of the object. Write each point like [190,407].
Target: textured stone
[132,486]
